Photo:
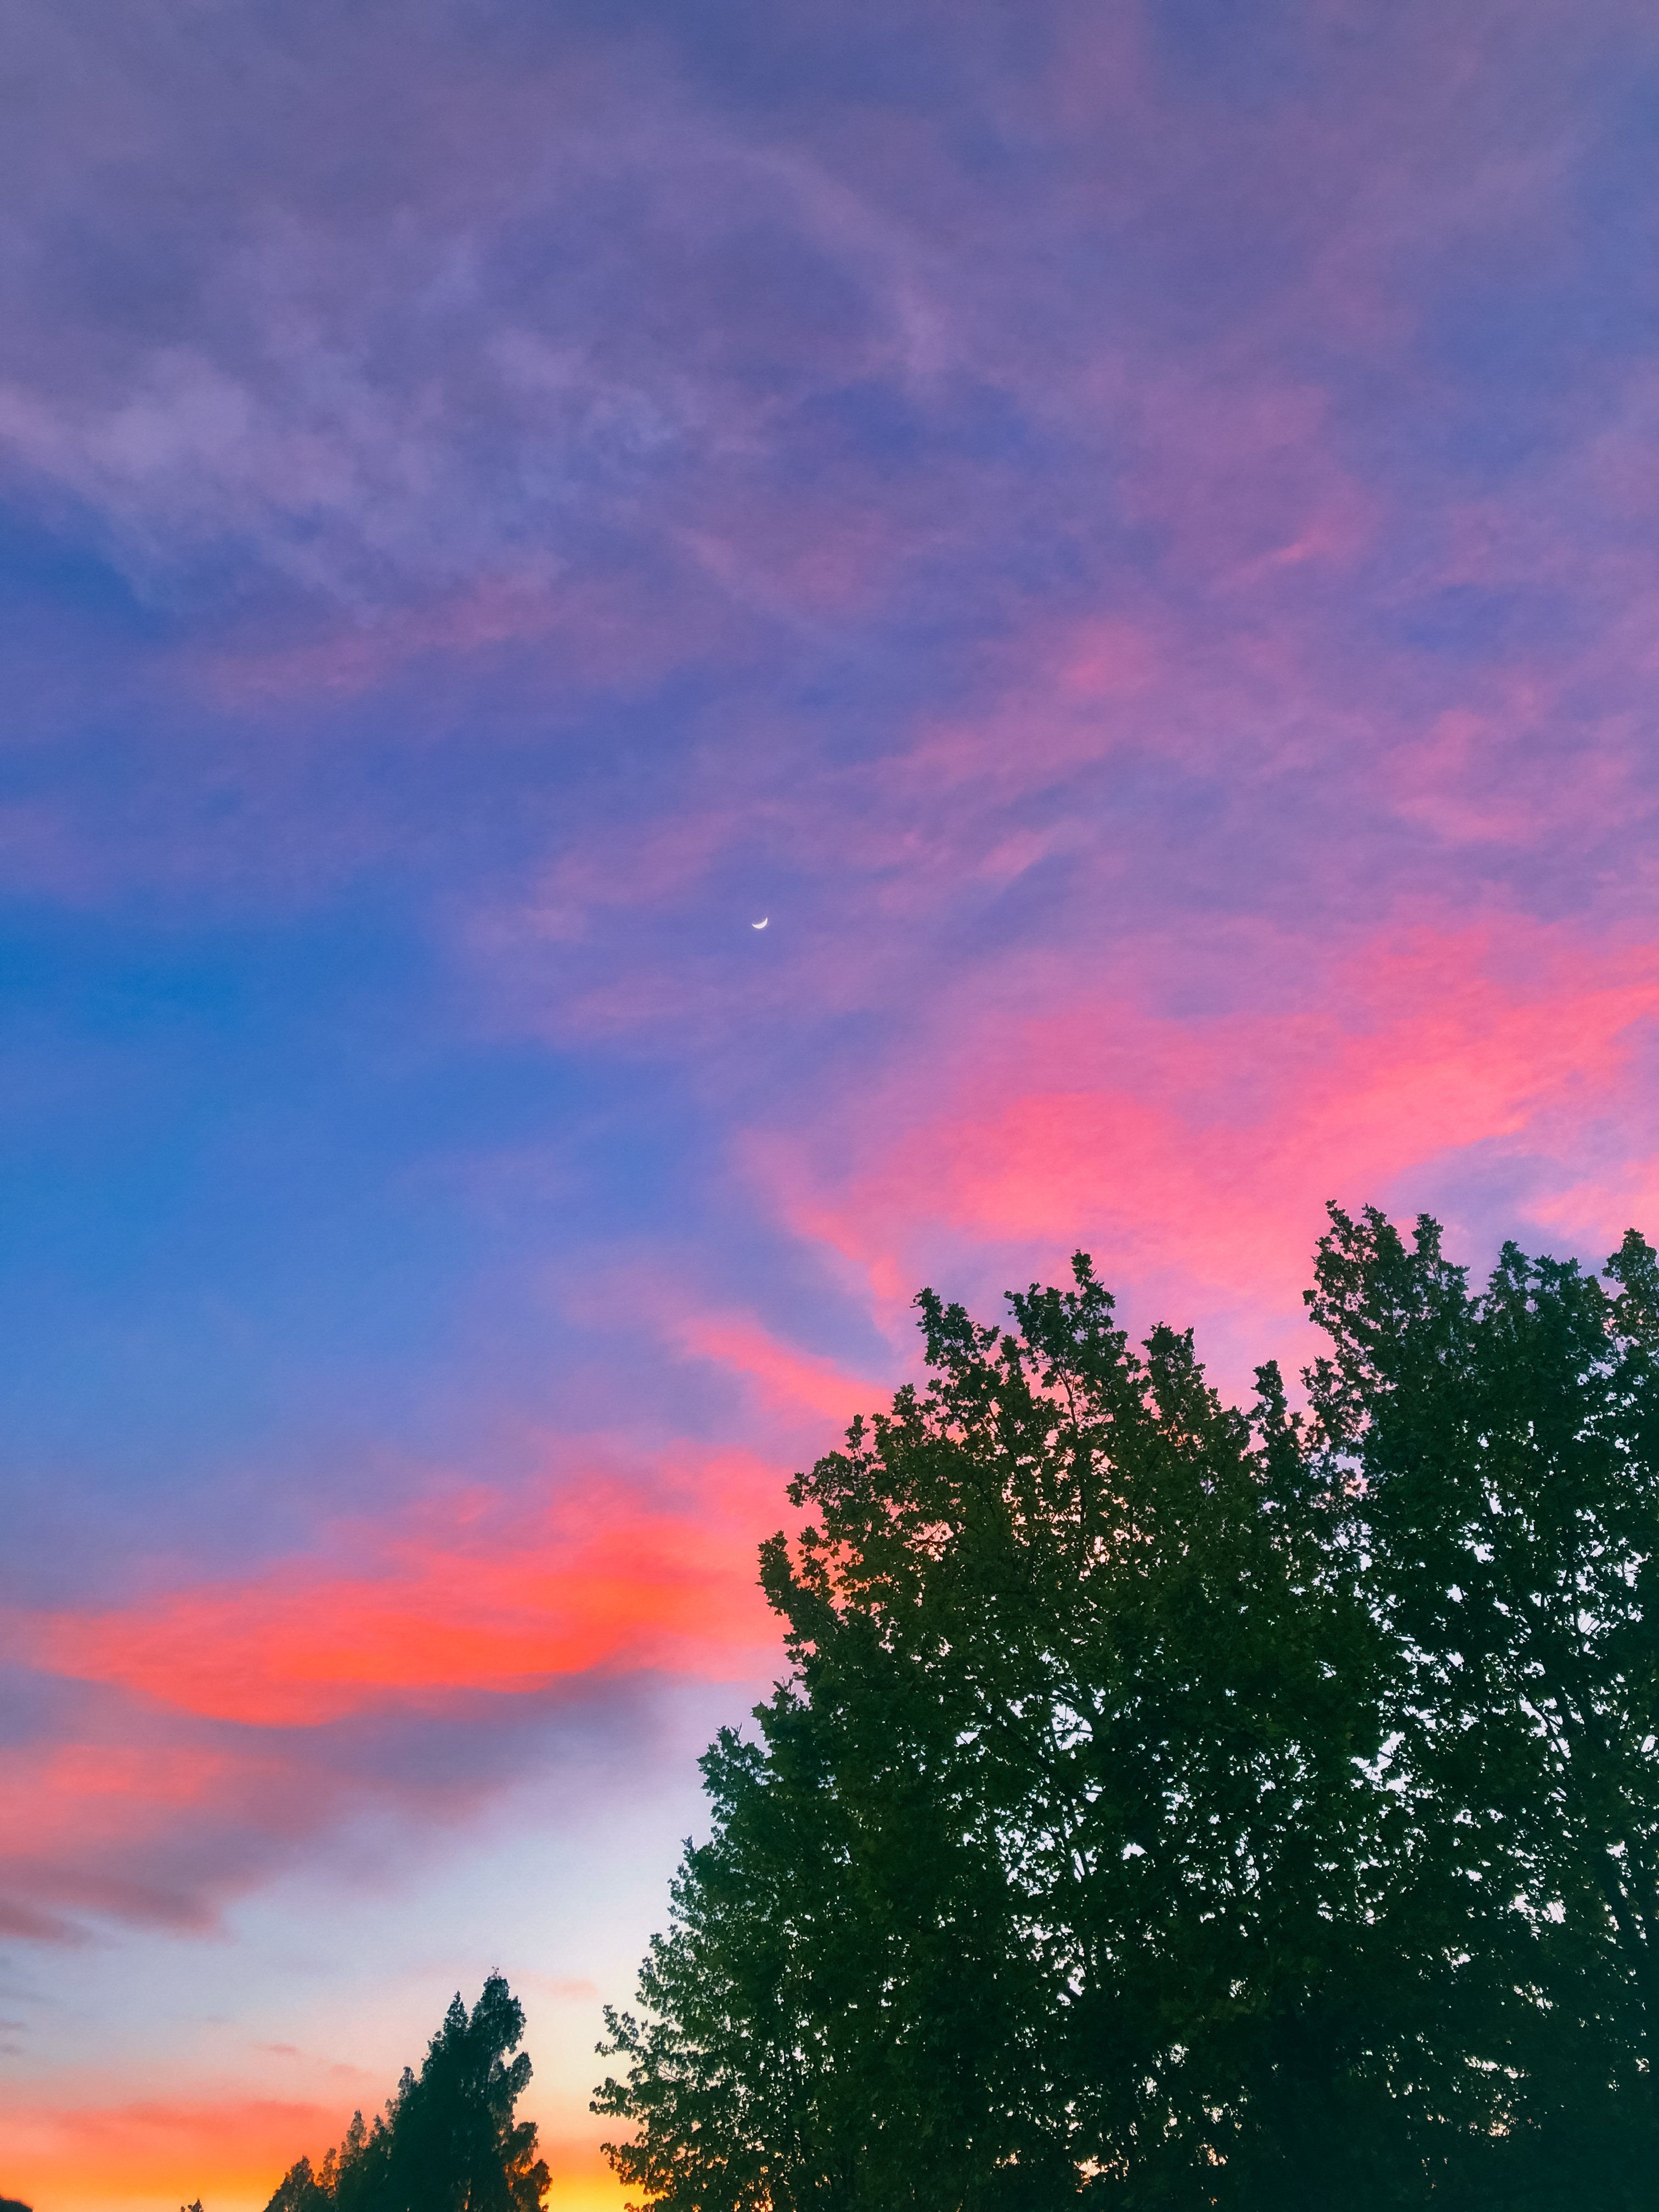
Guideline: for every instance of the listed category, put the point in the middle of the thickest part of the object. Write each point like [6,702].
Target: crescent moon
[762,923]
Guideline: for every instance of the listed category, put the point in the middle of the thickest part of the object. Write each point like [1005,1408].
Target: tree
[448,2142]
[1117,1826]
[1502,1452]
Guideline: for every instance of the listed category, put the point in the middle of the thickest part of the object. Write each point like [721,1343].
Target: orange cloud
[464,1604]
[193,1760]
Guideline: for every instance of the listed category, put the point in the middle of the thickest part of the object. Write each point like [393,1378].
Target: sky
[1123,533]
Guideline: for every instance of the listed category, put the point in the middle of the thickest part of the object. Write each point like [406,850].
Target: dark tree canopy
[1182,1806]
[448,2141]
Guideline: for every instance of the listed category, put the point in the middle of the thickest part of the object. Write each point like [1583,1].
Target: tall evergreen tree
[448,2141]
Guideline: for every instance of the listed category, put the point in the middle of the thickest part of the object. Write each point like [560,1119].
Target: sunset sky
[1124,533]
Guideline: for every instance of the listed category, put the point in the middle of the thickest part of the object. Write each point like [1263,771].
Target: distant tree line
[448,2141]
[1176,1806]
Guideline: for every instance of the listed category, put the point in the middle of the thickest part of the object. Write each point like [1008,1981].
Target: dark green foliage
[448,2142]
[1506,1448]
[1189,1809]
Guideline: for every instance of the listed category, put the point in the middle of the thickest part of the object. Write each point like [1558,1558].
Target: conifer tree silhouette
[448,2141]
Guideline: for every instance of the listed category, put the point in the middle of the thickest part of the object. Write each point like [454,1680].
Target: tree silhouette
[448,2141]
[1191,1808]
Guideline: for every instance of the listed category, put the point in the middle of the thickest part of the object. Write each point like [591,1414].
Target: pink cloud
[1193,1155]
[782,1378]
[455,1602]
[222,1725]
